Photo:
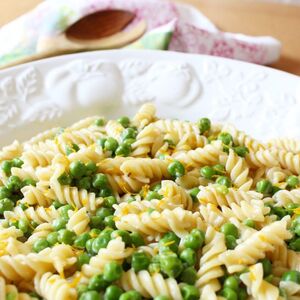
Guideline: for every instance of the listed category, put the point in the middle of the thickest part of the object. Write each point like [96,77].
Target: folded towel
[170,26]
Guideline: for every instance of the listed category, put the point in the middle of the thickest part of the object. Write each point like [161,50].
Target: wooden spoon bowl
[99,25]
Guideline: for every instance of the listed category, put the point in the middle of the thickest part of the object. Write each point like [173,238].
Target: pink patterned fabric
[188,38]
[191,31]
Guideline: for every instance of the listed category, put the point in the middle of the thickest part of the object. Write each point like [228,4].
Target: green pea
[188,256]
[224,180]
[14,183]
[109,221]
[90,295]
[110,201]
[269,278]
[204,125]
[226,138]
[219,169]
[249,223]
[89,246]
[84,183]
[176,169]
[94,232]
[131,295]
[129,142]
[98,283]
[297,230]
[81,240]
[52,238]
[23,206]
[81,288]
[29,181]
[161,298]
[24,225]
[82,259]
[290,207]
[66,236]
[105,192]
[170,240]
[100,122]
[63,211]
[264,186]
[188,275]
[140,261]
[230,241]
[124,121]
[91,168]
[193,193]
[207,172]
[151,195]
[113,292]
[241,151]
[242,294]
[189,292]
[128,133]
[123,150]
[192,241]
[4,192]
[75,147]
[275,189]
[59,224]
[17,162]
[229,294]
[136,239]
[199,233]
[100,242]
[267,266]
[64,179]
[77,169]
[295,244]
[96,222]
[68,150]
[292,275]
[112,271]
[111,144]
[104,212]
[101,142]
[156,187]
[230,229]
[292,181]
[100,181]
[6,167]
[232,282]
[123,234]
[154,268]
[6,205]
[170,264]
[40,245]
[279,211]
[295,222]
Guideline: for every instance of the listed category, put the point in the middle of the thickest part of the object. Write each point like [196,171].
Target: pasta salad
[149,208]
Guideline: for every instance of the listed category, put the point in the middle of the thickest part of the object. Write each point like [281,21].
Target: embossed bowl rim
[260,100]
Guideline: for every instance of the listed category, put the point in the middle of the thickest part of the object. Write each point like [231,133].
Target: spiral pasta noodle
[150,285]
[53,287]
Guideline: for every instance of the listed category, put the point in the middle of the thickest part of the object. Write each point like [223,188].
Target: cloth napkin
[170,26]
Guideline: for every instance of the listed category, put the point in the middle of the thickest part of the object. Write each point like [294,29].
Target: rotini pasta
[148,208]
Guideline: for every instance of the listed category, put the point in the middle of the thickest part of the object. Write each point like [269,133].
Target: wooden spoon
[99,24]
[97,31]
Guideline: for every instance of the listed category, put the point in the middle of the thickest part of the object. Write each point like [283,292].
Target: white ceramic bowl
[58,91]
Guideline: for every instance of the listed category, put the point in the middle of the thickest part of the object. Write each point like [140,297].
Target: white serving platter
[58,91]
